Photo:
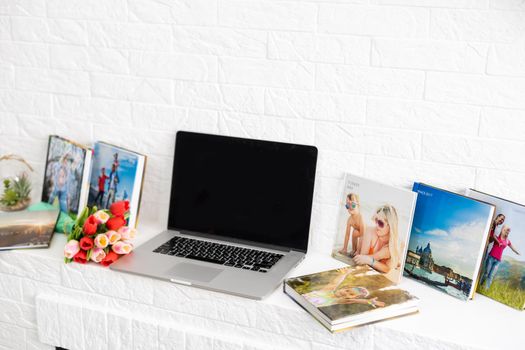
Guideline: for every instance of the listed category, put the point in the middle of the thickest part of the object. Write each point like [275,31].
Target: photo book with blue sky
[447,240]
[374,225]
[116,175]
[503,266]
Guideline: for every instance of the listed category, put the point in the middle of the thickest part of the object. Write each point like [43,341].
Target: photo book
[348,297]
[503,265]
[27,229]
[66,176]
[374,225]
[447,241]
[117,174]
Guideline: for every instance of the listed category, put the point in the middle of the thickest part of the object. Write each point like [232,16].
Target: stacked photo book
[374,228]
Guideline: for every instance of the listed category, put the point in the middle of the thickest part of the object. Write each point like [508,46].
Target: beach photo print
[374,223]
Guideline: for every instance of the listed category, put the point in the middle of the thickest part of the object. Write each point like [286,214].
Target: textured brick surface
[395,90]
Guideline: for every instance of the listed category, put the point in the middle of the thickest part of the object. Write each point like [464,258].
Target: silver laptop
[239,216]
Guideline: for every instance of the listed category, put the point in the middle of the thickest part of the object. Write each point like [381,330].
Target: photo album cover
[374,225]
[503,266]
[66,175]
[116,175]
[349,297]
[447,241]
[27,229]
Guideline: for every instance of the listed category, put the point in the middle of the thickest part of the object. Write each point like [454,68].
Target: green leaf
[83,216]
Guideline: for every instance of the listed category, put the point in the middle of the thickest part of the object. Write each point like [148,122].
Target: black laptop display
[258,191]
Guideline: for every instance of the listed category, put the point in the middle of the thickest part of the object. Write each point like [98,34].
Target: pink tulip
[101,216]
[98,254]
[71,249]
[122,247]
[127,233]
[113,237]
[101,240]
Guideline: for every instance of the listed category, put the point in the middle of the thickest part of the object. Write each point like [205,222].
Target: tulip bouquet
[100,235]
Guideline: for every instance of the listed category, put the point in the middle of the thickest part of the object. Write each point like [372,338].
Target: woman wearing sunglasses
[355,224]
[380,246]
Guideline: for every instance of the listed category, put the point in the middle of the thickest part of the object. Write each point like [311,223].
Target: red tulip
[90,226]
[110,258]
[86,243]
[119,208]
[80,257]
[115,223]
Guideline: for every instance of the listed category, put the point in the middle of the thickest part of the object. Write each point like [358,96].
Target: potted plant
[16,190]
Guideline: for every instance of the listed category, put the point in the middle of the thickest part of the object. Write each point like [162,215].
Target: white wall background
[395,90]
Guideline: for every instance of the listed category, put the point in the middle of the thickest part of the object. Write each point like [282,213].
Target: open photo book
[350,297]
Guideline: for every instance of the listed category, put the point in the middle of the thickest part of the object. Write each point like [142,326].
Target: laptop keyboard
[222,254]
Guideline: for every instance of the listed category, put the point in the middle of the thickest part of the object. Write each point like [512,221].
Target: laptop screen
[243,189]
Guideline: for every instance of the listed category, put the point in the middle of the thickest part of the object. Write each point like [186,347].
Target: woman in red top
[494,257]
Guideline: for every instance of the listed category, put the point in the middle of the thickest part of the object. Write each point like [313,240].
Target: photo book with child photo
[348,297]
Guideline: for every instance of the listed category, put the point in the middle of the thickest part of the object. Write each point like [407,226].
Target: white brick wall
[396,90]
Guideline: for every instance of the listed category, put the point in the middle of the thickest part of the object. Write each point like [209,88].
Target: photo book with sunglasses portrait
[353,296]
[374,225]
[503,265]
[447,241]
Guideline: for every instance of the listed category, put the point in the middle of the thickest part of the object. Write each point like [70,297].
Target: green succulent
[22,186]
[16,190]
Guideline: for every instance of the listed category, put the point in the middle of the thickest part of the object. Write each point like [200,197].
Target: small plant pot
[21,205]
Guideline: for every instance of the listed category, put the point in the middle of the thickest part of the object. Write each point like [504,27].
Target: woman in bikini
[332,294]
[380,246]
[355,225]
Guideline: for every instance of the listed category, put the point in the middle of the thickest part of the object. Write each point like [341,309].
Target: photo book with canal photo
[447,241]
[348,297]
[374,225]
[503,265]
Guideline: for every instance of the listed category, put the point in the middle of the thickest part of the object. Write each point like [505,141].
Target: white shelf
[442,321]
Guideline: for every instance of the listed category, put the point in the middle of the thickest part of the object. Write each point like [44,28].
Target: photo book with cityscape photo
[448,237]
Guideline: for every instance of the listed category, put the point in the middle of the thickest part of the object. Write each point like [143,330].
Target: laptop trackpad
[193,272]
